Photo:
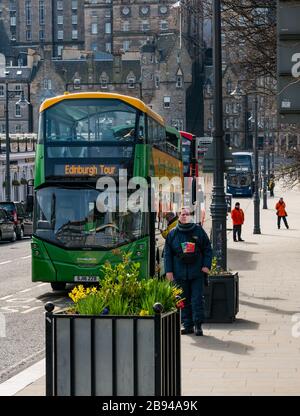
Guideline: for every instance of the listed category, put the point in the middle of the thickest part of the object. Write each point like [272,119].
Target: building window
[236,123]
[28,12]
[145,25]
[18,90]
[107,13]
[12,6]
[59,50]
[209,124]
[227,108]
[2,128]
[107,28]
[167,101]
[74,34]
[74,19]
[28,34]
[211,107]
[108,47]
[179,81]
[227,123]
[131,82]
[47,84]
[42,35]
[18,128]
[103,80]
[229,86]
[164,25]
[94,28]
[126,26]
[74,4]
[42,12]
[126,45]
[208,87]
[18,110]
[94,47]
[60,34]
[60,5]
[13,21]
[60,19]
[1,90]
[157,81]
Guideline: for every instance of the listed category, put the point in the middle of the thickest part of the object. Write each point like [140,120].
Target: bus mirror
[29,203]
[44,225]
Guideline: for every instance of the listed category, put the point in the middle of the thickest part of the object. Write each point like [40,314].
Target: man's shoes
[186,331]
[278,228]
[241,239]
[198,330]
[235,241]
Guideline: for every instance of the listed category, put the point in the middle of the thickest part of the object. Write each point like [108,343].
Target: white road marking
[26,257]
[6,262]
[26,290]
[32,309]
[42,284]
[6,297]
[23,379]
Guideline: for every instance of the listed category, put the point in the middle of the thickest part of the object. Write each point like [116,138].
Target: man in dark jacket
[188,256]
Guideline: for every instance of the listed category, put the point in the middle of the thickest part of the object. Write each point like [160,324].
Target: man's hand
[170,276]
[205,270]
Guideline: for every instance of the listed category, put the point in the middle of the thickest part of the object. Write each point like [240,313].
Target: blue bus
[240,178]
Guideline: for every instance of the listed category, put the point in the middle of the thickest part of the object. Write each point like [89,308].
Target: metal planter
[221,298]
[112,355]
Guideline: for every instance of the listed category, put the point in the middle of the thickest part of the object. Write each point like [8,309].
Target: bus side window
[150,130]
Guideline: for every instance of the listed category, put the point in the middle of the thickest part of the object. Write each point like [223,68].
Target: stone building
[238,110]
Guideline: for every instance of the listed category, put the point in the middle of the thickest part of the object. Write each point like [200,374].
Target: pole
[256,200]
[265,206]
[246,144]
[218,206]
[7,150]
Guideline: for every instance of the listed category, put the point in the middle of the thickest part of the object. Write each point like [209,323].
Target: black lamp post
[21,101]
[256,199]
[265,178]
[218,206]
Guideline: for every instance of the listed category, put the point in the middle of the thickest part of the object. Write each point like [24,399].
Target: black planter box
[113,355]
[221,298]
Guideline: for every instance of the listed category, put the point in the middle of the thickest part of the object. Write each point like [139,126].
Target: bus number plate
[86,278]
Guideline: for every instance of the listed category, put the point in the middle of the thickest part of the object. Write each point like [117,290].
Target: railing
[19,143]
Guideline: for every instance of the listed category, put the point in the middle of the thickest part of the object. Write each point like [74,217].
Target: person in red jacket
[281,213]
[237,215]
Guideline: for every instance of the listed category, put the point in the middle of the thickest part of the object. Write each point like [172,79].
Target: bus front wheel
[58,285]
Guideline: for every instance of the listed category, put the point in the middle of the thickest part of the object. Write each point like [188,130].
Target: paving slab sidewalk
[258,354]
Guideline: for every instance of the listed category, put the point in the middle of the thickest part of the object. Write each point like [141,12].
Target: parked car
[7,227]
[22,219]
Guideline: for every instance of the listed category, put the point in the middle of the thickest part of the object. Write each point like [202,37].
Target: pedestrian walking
[188,256]
[281,213]
[172,220]
[271,186]
[237,216]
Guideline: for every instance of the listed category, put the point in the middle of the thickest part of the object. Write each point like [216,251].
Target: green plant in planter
[121,292]
[15,182]
[23,181]
[217,270]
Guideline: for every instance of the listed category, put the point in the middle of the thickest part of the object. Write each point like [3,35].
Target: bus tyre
[58,285]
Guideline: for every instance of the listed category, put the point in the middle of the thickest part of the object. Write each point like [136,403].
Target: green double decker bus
[82,138]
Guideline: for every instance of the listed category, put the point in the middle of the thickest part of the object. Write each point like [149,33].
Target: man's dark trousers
[193,311]
[237,230]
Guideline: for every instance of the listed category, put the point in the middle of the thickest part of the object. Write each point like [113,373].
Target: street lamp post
[265,178]
[218,206]
[256,199]
[22,100]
